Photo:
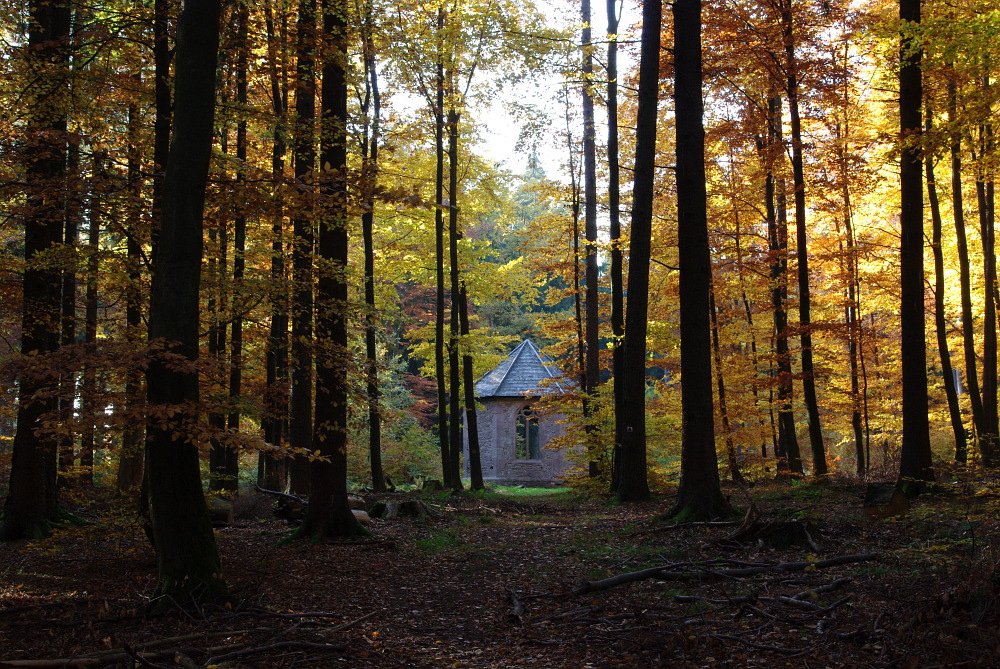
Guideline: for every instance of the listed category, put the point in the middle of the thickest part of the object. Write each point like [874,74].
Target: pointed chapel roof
[522,374]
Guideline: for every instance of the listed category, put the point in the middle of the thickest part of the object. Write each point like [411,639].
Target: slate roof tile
[522,374]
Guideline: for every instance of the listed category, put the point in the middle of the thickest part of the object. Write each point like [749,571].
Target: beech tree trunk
[232,467]
[615,233]
[468,383]
[699,495]
[188,561]
[915,463]
[633,482]
[964,270]
[30,507]
[592,369]
[720,385]
[802,246]
[989,440]
[329,513]
[369,184]
[272,471]
[88,386]
[68,320]
[439,311]
[786,447]
[454,474]
[300,423]
[130,458]
[163,111]
[940,319]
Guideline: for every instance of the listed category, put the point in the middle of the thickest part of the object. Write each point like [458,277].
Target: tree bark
[786,447]
[88,385]
[329,513]
[439,336]
[189,567]
[633,482]
[163,55]
[720,384]
[699,495]
[454,474]
[802,246]
[468,383]
[369,184]
[964,269]
[615,233]
[940,320]
[272,471]
[592,369]
[300,431]
[30,507]
[131,456]
[988,435]
[232,467]
[915,463]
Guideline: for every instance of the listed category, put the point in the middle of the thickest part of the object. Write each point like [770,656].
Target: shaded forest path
[480,586]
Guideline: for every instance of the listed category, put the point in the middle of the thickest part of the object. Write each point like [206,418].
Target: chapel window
[526,444]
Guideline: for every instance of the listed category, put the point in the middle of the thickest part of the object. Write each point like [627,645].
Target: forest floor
[495,581]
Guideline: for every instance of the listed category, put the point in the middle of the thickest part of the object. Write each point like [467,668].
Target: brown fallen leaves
[484,585]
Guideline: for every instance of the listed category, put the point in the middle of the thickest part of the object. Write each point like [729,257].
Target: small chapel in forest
[512,436]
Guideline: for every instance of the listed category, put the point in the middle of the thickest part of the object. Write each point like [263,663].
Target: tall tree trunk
[940,320]
[786,446]
[239,252]
[699,494]
[468,383]
[369,184]
[130,458]
[329,513]
[88,388]
[439,235]
[720,384]
[163,55]
[852,290]
[68,320]
[574,186]
[751,331]
[964,271]
[591,301]
[915,463]
[454,475]
[633,482]
[615,233]
[218,309]
[988,436]
[272,471]
[300,425]
[31,501]
[802,245]
[189,567]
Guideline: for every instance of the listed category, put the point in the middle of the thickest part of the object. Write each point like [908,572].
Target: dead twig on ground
[665,573]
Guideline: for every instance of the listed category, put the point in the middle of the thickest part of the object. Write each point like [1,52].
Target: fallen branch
[815,608]
[818,590]
[663,573]
[116,656]
[683,526]
[306,645]
[759,646]
[348,625]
